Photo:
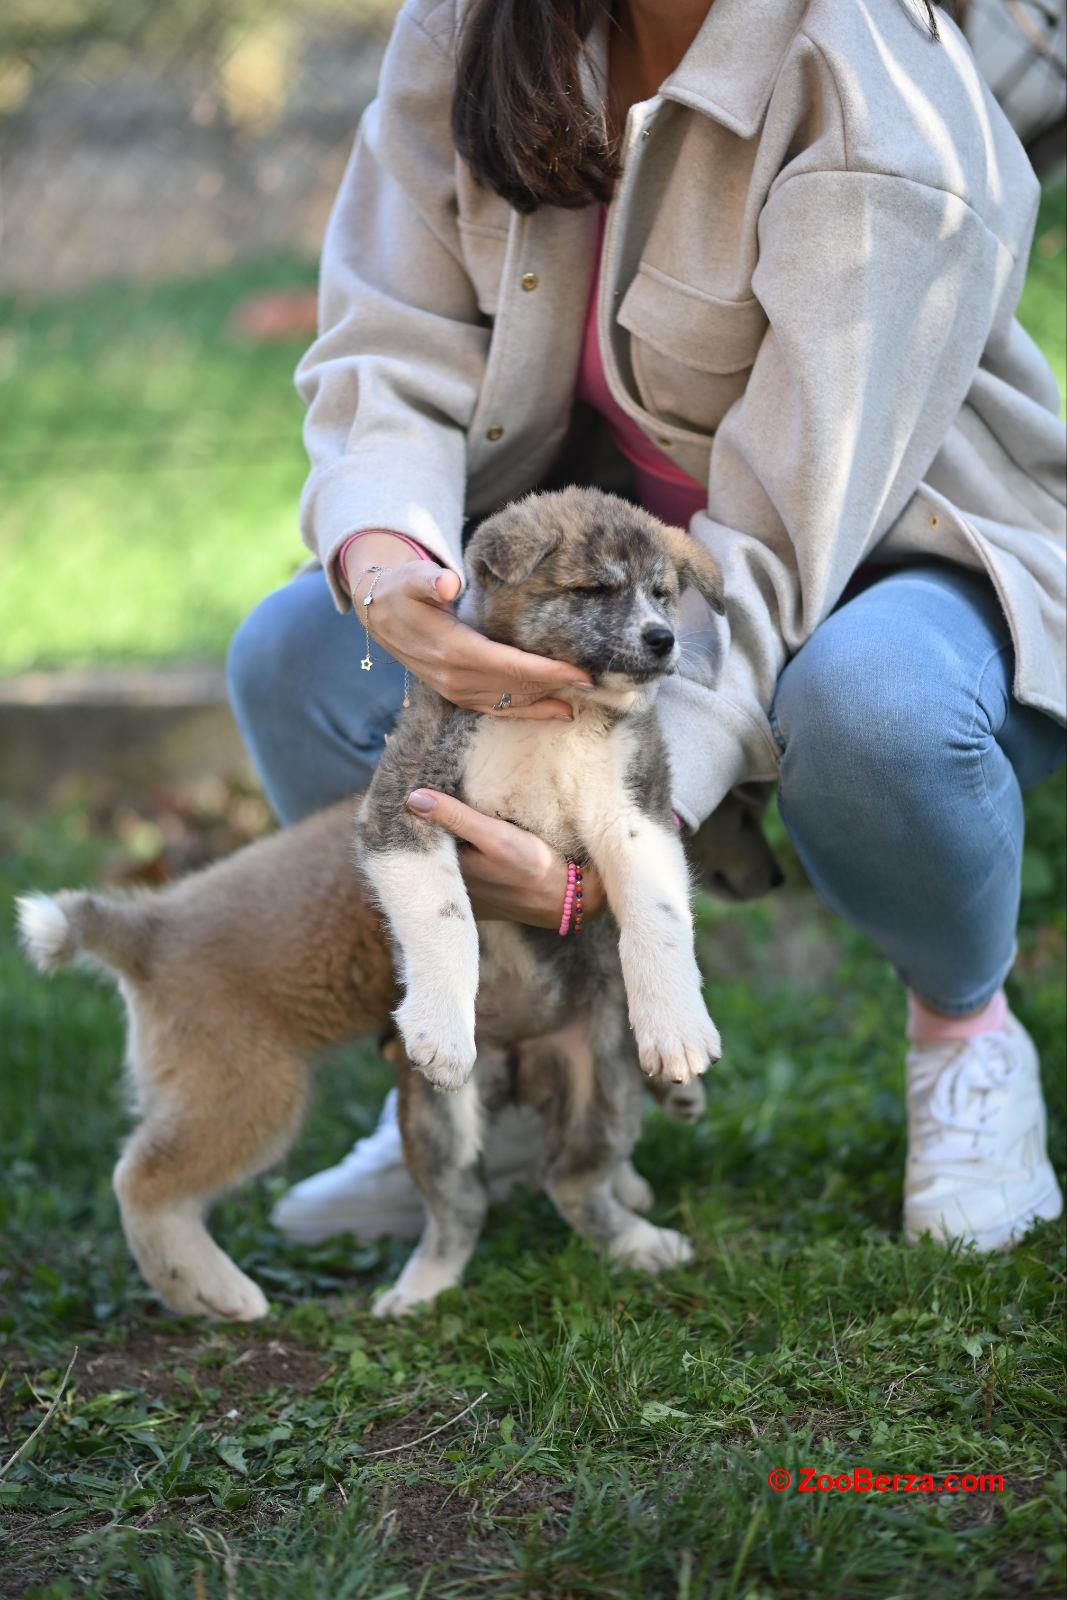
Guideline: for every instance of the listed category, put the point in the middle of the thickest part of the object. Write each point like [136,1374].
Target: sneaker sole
[992,1240]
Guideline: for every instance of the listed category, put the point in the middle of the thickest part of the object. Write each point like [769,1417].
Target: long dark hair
[519,117]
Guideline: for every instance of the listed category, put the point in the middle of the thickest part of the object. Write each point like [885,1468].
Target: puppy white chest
[546,776]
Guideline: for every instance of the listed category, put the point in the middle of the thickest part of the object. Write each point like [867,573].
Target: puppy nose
[659,640]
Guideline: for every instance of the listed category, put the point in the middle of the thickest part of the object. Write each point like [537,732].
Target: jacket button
[529,280]
[494,433]
[665,444]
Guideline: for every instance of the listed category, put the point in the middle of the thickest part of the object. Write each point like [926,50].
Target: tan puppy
[234,979]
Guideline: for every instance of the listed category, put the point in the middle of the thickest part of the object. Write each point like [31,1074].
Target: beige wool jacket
[810,272]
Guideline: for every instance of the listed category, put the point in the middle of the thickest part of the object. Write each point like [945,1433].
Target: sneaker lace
[956,1094]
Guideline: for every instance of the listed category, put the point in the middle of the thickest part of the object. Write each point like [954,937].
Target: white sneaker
[978,1167]
[370,1193]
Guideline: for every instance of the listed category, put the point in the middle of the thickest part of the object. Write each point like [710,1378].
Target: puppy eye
[590,588]
[661,593]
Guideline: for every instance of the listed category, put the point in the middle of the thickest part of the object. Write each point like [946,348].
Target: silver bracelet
[367,662]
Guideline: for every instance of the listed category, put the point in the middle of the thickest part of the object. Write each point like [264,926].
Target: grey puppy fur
[587,578]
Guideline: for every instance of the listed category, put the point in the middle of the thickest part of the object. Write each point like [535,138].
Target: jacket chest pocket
[690,353]
[483,220]
[484,249]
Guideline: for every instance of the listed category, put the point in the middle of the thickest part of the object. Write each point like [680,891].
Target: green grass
[1043,309]
[150,469]
[151,461]
[628,1426]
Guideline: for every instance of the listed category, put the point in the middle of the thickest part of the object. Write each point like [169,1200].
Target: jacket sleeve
[880,294]
[392,378]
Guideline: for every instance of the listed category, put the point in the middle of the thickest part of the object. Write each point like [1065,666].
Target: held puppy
[588,578]
[234,979]
[583,577]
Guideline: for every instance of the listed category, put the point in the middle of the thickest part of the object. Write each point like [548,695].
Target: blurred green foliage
[1043,308]
[150,471]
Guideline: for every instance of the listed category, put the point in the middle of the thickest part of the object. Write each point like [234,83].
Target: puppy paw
[395,1304]
[686,1102]
[650,1249]
[224,1295]
[678,1050]
[441,1046]
[421,1281]
[188,1271]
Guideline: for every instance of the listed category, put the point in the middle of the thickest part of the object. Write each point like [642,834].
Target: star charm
[366,663]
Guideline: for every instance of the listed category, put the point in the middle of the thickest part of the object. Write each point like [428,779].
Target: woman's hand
[511,875]
[411,617]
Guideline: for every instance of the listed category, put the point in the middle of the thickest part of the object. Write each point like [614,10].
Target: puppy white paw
[394,1304]
[422,1280]
[686,1102]
[630,1189]
[440,1044]
[224,1293]
[647,1248]
[676,1048]
[187,1270]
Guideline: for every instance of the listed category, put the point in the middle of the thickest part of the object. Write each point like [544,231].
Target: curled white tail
[117,932]
[44,931]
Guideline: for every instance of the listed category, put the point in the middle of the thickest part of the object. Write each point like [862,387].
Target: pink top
[662,487]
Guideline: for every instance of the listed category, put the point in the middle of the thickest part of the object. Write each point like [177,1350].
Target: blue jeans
[904,757]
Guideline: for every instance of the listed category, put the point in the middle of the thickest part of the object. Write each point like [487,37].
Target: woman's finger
[485,833]
[441,585]
[518,670]
[534,711]
[426,580]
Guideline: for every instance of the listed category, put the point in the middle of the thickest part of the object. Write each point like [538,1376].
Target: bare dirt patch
[431,1522]
[160,1366]
[151,1361]
[34,1551]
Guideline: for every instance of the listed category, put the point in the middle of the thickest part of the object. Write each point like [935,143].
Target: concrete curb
[134,727]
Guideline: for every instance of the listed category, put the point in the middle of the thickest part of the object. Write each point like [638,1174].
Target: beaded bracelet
[572,900]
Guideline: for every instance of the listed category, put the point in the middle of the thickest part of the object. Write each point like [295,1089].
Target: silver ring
[504,703]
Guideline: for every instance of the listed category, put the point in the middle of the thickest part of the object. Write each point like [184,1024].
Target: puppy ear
[696,566]
[508,546]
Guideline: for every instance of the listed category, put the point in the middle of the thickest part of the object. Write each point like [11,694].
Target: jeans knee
[277,655]
[857,719]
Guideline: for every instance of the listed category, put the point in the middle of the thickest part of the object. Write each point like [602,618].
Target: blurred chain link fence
[141,139]
[146,138]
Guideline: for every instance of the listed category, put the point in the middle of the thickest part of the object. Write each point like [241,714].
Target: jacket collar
[730,68]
